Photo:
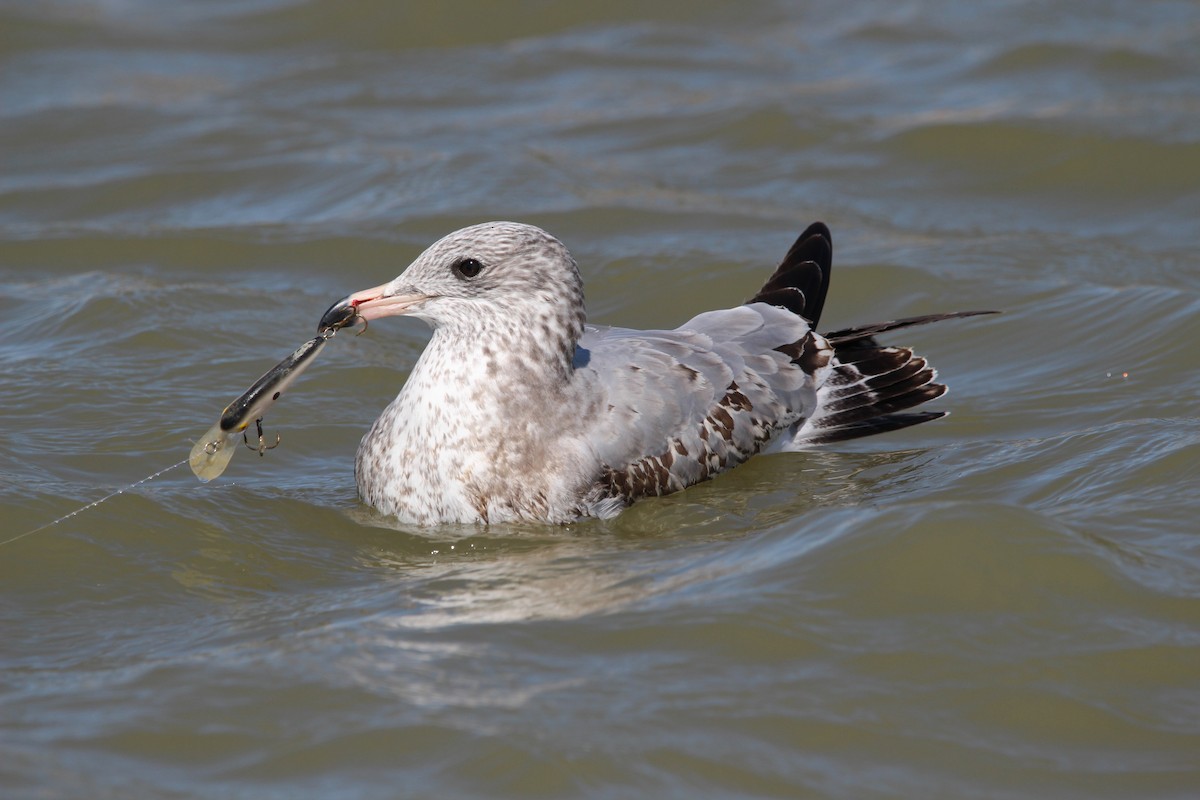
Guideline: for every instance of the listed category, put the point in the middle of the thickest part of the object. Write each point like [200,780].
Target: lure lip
[339,315]
[369,304]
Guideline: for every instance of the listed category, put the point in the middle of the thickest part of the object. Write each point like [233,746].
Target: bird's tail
[872,386]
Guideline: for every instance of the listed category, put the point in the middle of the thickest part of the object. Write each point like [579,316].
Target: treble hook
[359,317]
[262,447]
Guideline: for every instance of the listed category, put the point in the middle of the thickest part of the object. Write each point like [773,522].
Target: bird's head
[475,278]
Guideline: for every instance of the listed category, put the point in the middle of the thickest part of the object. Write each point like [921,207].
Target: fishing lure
[212,452]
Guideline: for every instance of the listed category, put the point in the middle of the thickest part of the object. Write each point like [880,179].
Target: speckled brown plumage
[519,410]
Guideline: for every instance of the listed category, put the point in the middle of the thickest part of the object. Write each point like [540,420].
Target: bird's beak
[369,304]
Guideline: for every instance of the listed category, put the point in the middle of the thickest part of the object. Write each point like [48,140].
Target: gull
[519,409]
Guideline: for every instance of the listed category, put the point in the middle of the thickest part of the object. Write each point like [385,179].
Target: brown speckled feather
[518,410]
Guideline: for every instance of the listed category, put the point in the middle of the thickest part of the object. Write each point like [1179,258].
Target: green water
[1001,604]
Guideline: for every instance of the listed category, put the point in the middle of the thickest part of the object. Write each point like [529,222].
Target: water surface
[1004,603]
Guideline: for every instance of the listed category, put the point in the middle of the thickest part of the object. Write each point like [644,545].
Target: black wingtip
[846,336]
[801,281]
[874,425]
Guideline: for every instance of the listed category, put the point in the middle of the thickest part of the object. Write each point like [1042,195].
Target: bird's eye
[467,267]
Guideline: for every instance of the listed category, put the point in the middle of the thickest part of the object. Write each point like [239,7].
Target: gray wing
[667,409]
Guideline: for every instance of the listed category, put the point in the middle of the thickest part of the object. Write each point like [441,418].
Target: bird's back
[679,406]
[683,405]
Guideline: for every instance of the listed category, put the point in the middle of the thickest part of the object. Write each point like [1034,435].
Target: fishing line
[95,503]
[211,454]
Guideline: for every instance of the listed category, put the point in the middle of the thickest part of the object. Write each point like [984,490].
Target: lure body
[212,452]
